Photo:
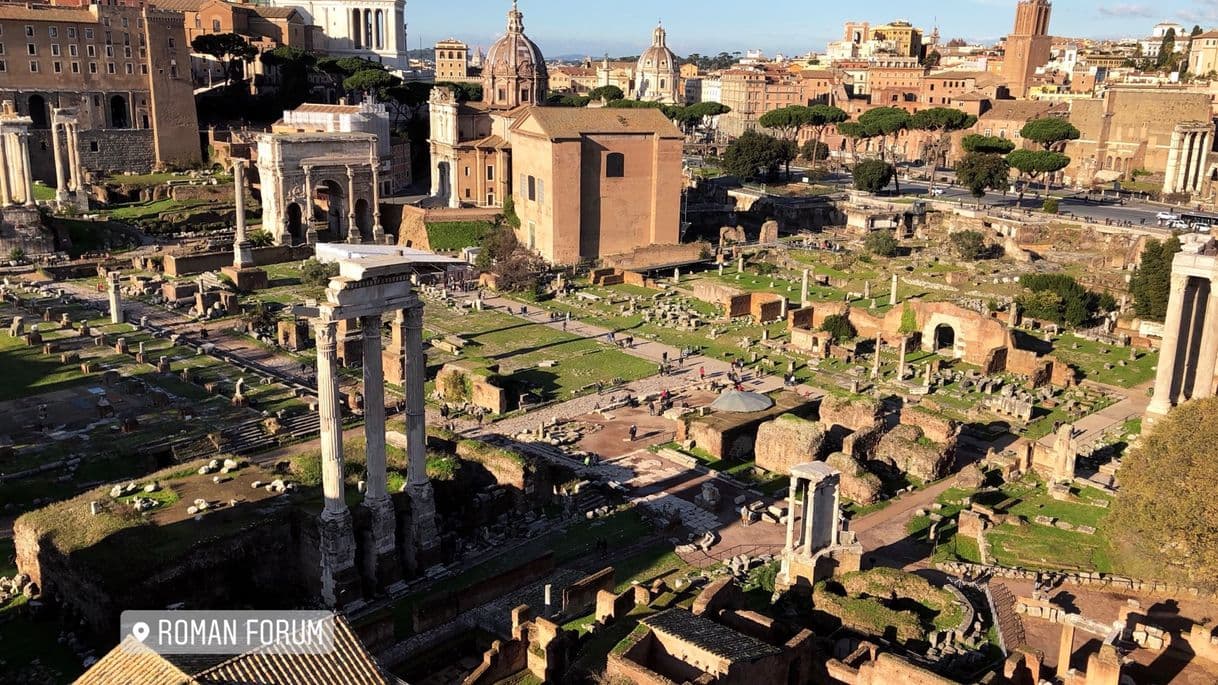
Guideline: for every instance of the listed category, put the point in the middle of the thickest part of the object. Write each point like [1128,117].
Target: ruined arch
[944,338]
[39,111]
[363,219]
[119,116]
[295,224]
[334,201]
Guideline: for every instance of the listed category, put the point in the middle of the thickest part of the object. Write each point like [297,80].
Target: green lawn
[26,370]
[450,236]
[1090,358]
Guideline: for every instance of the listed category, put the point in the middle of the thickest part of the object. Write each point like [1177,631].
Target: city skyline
[627,31]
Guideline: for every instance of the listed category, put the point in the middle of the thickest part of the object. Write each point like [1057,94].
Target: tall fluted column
[1207,360]
[378,231]
[1189,149]
[61,188]
[353,235]
[416,410]
[1172,176]
[77,172]
[243,255]
[331,420]
[26,171]
[6,151]
[1163,400]
[376,494]
[374,407]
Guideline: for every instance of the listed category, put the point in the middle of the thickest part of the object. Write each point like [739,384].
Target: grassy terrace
[518,347]
[1029,544]
[1091,357]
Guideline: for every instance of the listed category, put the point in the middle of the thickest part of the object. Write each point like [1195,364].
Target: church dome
[658,57]
[656,74]
[513,62]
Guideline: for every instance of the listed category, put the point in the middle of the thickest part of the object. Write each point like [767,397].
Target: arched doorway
[363,219]
[442,181]
[39,112]
[118,112]
[295,225]
[330,198]
[945,338]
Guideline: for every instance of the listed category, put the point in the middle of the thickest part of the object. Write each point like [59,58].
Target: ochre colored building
[614,181]
[126,72]
[1028,46]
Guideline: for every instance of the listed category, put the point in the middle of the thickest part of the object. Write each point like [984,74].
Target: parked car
[1182,225]
[1167,216]
[936,191]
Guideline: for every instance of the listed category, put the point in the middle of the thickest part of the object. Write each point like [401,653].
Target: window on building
[29,31]
[88,33]
[76,67]
[110,68]
[541,190]
[127,52]
[92,67]
[57,67]
[532,189]
[34,67]
[524,94]
[109,38]
[93,146]
[91,51]
[144,69]
[615,165]
[198,22]
[31,49]
[124,22]
[173,71]
[467,193]
[172,43]
[3,66]
[52,32]
[490,199]
[215,26]
[490,173]
[467,171]
[73,51]
[54,49]
[130,68]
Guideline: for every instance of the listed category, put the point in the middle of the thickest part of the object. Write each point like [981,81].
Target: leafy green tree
[788,122]
[873,175]
[1037,163]
[1167,49]
[406,101]
[499,244]
[982,171]
[231,50]
[754,154]
[317,273]
[370,81]
[693,115]
[1151,283]
[884,122]
[824,117]
[1164,511]
[1050,132]
[814,151]
[853,132]
[942,122]
[969,245]
[986,144]
[1060,298]
[909,319]
[293,66]
[881,244]
[838,327]
[607,93]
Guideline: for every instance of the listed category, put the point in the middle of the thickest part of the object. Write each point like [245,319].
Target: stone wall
[934,426]
[857,484]
[439,609]
[190,264]
[22,228]
[102,152]
[905,449]
[527,477]
[581,596]
[787,441]
[851,414]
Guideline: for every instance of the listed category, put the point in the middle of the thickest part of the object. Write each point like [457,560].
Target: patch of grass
[653,562]
[26,370]
[1090,357]
[448,236]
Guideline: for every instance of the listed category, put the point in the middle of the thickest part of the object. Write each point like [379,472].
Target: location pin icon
[140,631]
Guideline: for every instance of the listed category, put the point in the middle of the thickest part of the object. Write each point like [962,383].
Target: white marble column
[307,211]
[1207,360]
[331,416]
[243,255]
[892,296]
[1190,147]
[6,151]
[792,502]
[1163,399]
[26,171]
[1203,145]
[116,297]
[416,408]
[378,231]
[353,235]
[61,188]
[1171,178]
[374,407]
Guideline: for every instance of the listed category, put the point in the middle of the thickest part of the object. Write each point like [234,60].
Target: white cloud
[1202,12]
[1126,10]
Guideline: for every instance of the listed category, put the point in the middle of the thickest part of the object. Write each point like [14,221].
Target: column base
[311,236]
[247,279]
[340,582]
[384,555]
[423,549]
[1158,407]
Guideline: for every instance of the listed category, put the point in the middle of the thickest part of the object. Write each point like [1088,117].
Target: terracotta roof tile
[574,122]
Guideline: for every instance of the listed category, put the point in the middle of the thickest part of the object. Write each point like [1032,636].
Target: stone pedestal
[247,279]
[423,543]
[339,577]
[383,555]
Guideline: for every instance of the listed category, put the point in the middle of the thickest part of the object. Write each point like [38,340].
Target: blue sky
[791,26]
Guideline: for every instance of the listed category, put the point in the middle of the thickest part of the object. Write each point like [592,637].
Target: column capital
[238,163]
[1179,281]
[371,323]
[327,335]
[413,315]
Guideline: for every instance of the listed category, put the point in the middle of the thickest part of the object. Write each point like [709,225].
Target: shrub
[881,243]
[316,273]
[969,245]
[1051,205]
[873,175]
[838,327]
